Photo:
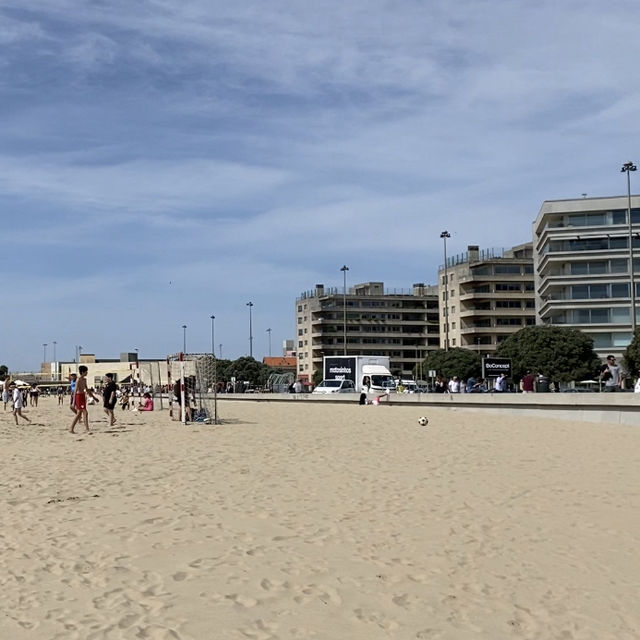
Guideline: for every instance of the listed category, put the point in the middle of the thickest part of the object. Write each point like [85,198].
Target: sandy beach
[317,521]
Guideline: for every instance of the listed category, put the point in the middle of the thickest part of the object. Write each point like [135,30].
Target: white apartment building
[582,267]
[486,296]
[400,324]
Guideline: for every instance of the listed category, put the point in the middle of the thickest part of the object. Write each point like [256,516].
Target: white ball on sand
[422,421]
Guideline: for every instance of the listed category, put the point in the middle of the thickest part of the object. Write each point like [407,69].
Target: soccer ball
[422,421]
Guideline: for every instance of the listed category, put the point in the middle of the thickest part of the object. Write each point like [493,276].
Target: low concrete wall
[614,408]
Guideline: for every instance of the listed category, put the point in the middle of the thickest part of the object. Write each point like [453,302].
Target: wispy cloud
[250,150]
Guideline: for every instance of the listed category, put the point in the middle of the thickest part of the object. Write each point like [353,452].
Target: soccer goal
[193,381]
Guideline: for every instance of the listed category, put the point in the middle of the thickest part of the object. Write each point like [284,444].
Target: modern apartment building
[486,296]
[400,324]
[582,267]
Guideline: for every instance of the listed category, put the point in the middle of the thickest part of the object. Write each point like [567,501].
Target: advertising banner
[340,368]
[493,367]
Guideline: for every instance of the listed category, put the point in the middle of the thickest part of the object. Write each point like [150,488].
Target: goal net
[193,393]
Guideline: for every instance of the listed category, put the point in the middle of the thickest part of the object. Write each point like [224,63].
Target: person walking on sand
[18,403]
[73,379]
[6,392]
[80,400]
[109,394]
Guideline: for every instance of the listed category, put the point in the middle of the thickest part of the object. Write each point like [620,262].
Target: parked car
[335,386]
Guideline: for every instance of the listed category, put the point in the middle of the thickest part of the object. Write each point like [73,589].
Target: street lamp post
[344,270]
[44,348]
[269,332]
[627,168]
[184,338]
[213,320]
[78,354]
[250,305]
[220,348]
[54,360]
[444,235]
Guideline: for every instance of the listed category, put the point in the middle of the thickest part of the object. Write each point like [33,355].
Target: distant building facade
[400,324]
[583,270]
[486,296]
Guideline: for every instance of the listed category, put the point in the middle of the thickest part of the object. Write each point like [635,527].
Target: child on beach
[72,387]
[124,400]
[18,403]
[147,405]
[80,400]
[110,398]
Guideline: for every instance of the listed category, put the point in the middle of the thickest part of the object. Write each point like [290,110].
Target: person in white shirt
[501,383]
[18,403]
[454,385]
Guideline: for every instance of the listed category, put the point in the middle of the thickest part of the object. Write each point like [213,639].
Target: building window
[453,325]
[513,269]
[299,332]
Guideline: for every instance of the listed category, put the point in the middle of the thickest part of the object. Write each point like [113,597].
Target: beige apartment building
[400,324]
[486,296]
[583,267]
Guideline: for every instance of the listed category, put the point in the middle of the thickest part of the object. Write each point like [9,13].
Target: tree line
[561,353]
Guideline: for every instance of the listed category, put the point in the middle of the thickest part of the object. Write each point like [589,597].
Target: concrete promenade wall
[614,408]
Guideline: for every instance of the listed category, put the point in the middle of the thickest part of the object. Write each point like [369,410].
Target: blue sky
[163,161]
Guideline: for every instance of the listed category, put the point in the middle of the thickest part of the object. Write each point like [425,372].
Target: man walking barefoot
[80,400]
[18,403]
[110,398]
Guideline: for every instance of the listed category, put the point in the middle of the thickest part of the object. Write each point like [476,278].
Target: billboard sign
[339,368]
[494,367]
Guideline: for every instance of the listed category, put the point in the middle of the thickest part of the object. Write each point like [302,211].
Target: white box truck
[369,373]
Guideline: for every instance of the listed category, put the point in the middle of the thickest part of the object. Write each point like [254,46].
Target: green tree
[560,353]
[317,377]
[4,370]
[455,362]
[249,369]
[631,355]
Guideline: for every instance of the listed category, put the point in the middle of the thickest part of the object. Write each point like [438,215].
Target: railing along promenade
[611,408]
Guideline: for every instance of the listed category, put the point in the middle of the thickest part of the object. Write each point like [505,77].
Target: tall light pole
[250,305]
[54,350]
[220,347]
[44,355]
[344,270]
[213,333]
[184,338]
[78,354]
[444,235]
[627,168]
[269,332]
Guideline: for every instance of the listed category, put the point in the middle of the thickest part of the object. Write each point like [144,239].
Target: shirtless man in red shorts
[80,400]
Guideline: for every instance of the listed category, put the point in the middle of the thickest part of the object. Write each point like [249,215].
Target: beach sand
[319,521]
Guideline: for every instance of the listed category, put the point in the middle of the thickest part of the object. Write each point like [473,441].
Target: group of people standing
[470,385]
[80,396]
